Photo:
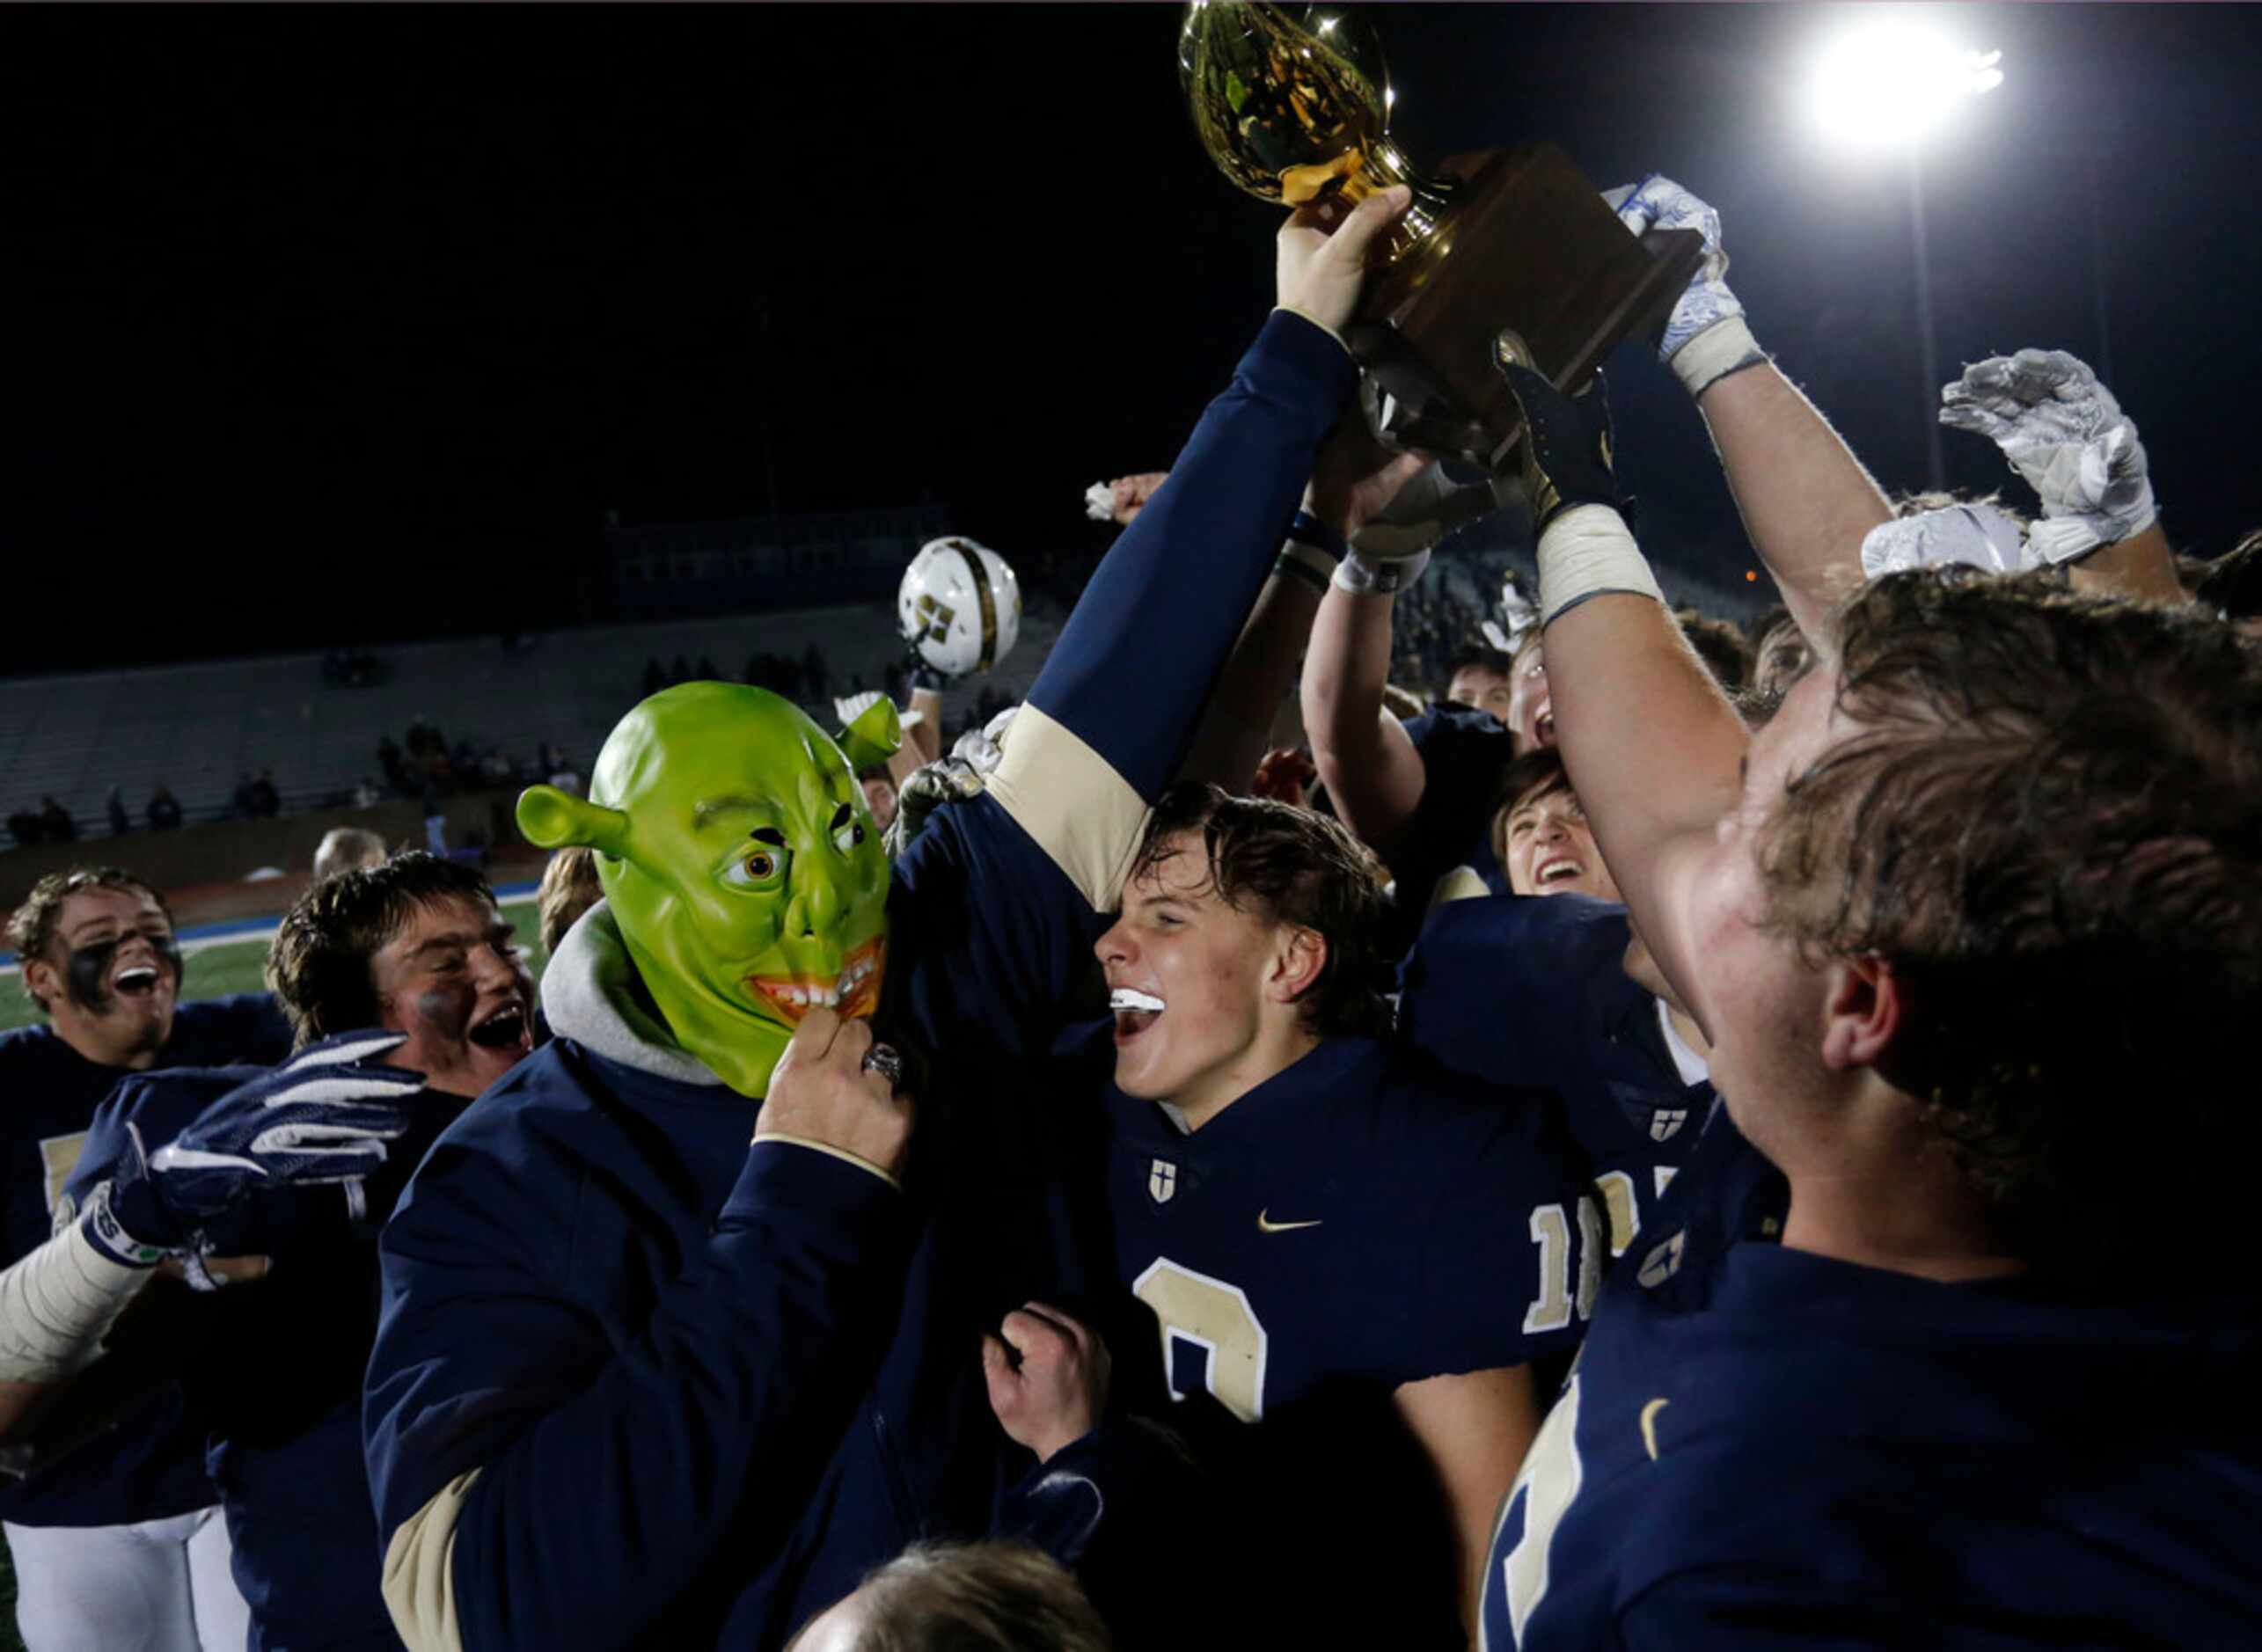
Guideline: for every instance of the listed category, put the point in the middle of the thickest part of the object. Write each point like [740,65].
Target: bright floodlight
[1888,83]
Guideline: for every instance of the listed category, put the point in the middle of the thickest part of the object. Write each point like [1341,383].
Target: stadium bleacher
[199,728]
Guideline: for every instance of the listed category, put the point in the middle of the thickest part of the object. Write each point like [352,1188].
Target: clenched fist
[1047,1378]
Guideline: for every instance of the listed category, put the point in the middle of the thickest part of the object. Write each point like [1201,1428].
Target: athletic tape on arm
[1587,551]
[57,1304]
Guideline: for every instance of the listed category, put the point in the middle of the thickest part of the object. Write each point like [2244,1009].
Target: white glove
[1379,576]
[1708,315]
[1978,535]
[2065,433]
[1099,501]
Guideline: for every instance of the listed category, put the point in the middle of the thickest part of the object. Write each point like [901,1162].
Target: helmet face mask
[959,607]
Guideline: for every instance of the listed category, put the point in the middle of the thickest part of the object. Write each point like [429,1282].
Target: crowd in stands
[1628,1130]
[803,679]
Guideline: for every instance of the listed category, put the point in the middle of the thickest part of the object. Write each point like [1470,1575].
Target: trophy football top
[1289,107]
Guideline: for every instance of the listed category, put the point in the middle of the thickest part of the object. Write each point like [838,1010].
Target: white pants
[156,1586]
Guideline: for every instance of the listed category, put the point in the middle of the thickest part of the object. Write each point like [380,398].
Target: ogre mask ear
[553,819]
[876,736]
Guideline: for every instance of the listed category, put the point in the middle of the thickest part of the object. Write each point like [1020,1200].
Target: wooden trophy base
[1528,246]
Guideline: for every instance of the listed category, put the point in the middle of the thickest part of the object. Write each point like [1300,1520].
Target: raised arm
[1373,774]
[1354,480]
[2065,433]
[1104,730]
[1654,749]
[1805,500]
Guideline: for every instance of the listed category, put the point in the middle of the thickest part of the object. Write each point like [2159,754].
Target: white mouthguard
[1124,998]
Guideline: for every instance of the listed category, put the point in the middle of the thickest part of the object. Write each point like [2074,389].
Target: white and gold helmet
[959,606]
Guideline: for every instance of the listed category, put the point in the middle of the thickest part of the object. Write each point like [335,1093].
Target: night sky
[335,324]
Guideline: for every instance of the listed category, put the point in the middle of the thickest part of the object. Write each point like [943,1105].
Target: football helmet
[959,606]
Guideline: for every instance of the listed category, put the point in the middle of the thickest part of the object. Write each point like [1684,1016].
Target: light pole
[1887,83]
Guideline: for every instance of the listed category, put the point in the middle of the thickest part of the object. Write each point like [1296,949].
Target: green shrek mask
[741,862]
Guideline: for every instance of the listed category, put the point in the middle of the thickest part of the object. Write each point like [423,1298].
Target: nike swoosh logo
[1650,1425]
[1265,1226]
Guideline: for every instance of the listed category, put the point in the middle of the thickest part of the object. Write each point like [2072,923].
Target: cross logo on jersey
[1162,1181]
[1664,1262]
[1666,1123]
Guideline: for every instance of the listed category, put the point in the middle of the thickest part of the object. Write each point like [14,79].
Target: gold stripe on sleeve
[419,1583]
[1064,794]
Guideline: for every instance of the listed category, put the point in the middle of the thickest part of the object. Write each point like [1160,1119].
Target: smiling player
[189,1163]
[1333,1240]
[128,1543]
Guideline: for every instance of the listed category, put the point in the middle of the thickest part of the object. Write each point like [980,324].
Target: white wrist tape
[57,1304]
[1380,576]
[1587,551]
[1715,353]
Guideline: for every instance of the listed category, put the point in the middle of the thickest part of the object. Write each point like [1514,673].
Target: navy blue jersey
[1357,1222]
[635,1385]
[1463,752]
[1359,1215]
[1531,990]
[276,1376]
[1764,1447]
[150,1465]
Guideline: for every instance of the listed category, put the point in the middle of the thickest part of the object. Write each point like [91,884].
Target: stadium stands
[199,728]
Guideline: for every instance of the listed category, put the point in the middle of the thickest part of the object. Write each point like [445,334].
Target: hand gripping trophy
[1510,251]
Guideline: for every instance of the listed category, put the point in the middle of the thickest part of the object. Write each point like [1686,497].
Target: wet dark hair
[1534,774]
[2048,825]
[1537,773]
[31,926]
[319,963]
[1294,867]
[1479,656]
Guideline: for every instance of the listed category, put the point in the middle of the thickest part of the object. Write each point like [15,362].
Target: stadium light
[1887,83]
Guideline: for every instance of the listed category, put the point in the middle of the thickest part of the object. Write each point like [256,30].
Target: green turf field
[229,967]
[235,967]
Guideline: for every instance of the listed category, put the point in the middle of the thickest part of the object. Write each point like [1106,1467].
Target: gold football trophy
[1294,107]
